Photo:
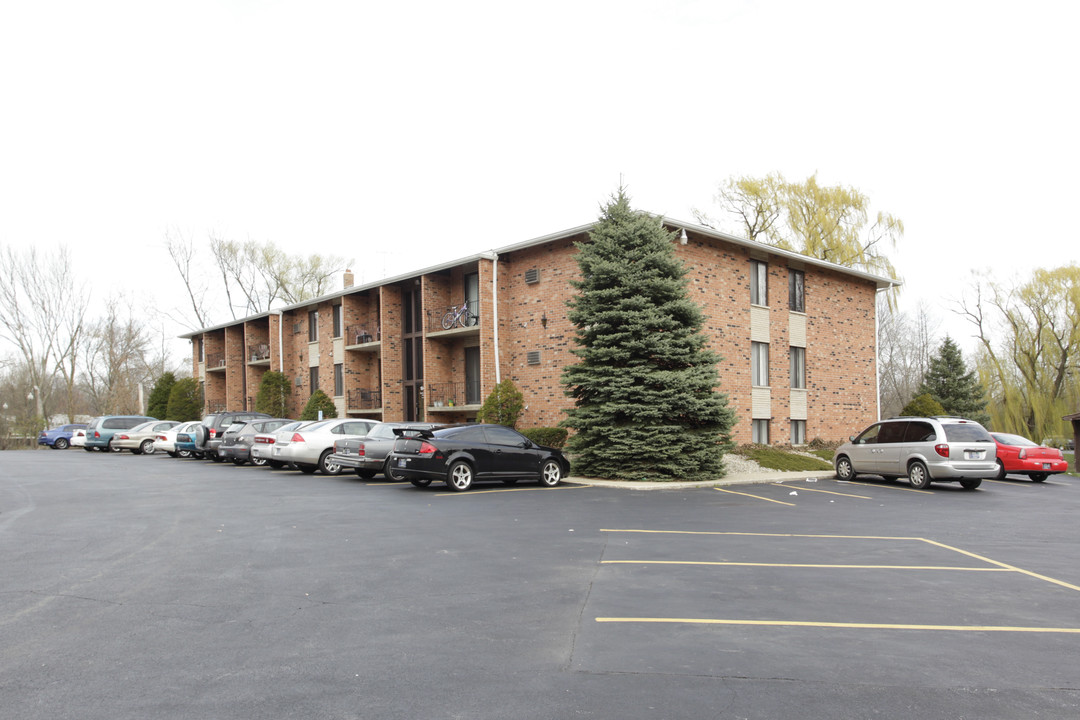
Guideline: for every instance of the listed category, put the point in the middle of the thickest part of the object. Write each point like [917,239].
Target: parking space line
[757,534]
[859,626]
[830,492]
[470,493]
[1013,568]
[758,497]
[889,487]
[808,565]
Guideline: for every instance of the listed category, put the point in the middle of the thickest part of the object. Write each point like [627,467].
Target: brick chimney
[348,279]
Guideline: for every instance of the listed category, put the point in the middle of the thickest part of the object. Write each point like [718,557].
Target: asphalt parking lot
[149,587]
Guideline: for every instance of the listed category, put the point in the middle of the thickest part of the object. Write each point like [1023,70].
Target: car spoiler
[414,432]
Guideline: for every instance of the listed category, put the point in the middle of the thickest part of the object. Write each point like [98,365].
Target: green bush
[503,406]
[157,405]
[319,401]
[185,401]
[549,436]
[923,406]
[273,395]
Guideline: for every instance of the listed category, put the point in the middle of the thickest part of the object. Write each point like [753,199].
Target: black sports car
[461,454]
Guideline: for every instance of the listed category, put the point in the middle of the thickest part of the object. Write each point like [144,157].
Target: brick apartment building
[797,338]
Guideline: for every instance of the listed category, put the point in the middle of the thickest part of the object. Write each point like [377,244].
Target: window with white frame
[313,326]
[798,432]
[759,364]
[759,283]
[337,322]
[759,432]
[798,368]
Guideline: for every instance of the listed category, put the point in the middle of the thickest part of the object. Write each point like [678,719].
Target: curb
[765,476]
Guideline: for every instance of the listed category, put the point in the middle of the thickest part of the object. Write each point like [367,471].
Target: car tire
[88,449]
[422,482]
[306,469]
[918,475]
[970,483]
[60,444]
[459,477]
[366,474]
[388,472]
[172,453]
[259,462]
[275,464]
[239,462]
[844,468]
[328,468]
[147,447]
[215,457]
[112,448]
[550,473]
[1039,477]
[1000,471]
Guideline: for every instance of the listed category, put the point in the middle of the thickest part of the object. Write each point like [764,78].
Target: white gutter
[494,257]
[280,343]
[877,350]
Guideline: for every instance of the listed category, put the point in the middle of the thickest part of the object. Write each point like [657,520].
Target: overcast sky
[404,134]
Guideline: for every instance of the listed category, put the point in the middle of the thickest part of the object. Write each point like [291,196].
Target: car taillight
[123,437]
[427,448]
[267,440]
[97,434]
[162,438]
[942,450]
[213,433]
[360,449]
[297,437]
[1023,454]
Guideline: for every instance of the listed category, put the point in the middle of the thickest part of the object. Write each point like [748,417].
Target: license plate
[277,451]
[402,462]
[1046,466]
[972,455]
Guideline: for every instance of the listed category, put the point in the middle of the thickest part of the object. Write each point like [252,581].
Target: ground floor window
[760,432]
[798,432]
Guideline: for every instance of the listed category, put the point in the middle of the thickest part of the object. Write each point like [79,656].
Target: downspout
[877,349]
[280,342]
[494,257]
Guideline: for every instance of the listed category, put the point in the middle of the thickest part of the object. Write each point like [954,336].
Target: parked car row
[458,455]
[943,449]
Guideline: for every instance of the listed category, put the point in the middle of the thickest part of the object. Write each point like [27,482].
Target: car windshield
[319,425]
[966,432]
[236,426]
[143,426]
[1017,440]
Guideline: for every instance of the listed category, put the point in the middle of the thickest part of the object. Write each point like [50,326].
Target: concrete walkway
[764,476]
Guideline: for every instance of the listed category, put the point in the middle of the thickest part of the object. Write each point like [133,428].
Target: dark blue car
[59,438]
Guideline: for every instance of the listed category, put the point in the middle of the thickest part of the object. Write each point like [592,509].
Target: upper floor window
[759,364]
[759,283]
[798,368]
[313,326]
[338,332]
[796,291]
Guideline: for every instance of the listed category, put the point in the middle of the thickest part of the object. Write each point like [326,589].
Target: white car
[263,444]
[78,437]
[308,448]
[165,440]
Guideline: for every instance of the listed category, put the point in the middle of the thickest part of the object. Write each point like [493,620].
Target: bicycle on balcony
[460,316]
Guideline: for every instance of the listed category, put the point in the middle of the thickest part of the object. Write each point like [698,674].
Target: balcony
[259,354]
[453,396]
[359,338]
[215,361]
[454,320]
[361,401]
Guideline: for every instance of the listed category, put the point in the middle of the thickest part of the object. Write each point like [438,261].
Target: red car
[1017,455]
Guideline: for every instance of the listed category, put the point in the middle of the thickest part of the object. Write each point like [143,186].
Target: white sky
[404,134]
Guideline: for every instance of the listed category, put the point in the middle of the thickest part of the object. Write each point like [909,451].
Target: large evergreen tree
[950,383]
[273,395]
[646,404]
[185,401]
[157,405]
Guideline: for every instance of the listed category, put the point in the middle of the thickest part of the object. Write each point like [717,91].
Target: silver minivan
[938,449]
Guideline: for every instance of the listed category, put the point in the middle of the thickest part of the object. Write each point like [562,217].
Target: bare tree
[905,346]
[117,347]
[183,252]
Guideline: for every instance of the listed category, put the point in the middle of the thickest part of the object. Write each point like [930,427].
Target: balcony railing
[361,334]
[363,399]
[215,360]
[454,317]
[259,352]
[453,394]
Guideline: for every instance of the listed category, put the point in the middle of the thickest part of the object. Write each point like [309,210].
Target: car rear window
[966,432]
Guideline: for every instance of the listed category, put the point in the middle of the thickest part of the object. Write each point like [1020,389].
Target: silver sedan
[309,448]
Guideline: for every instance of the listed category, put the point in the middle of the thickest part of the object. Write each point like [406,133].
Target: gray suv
[938,449]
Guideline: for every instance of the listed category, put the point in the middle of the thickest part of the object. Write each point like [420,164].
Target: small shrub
[923,406]
[549,436]
[273,396]
[503,406]
[319,400]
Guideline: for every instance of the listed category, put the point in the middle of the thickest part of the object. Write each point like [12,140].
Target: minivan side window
[918,431]
[869,436]
[892,432]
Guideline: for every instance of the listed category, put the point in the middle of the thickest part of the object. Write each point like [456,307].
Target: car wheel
[460,476]
[1000,471]
[172,453]
[147,447]
[215,457]
[550,474]
[389,473]
[88,449]
[306,469]
[60,444]
[918,476]
[844,469]
[970,483]
[258,462]
[113,448]
[366,474]
[239,462]
[198,455]
[1038,477]
[328,468]
[275,464]
[422,482]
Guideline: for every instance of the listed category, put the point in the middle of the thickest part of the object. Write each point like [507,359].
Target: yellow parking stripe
[1062,583]
[859,626]
[890,487]
[830,492]
[759,497]
[809,565]
[754,534]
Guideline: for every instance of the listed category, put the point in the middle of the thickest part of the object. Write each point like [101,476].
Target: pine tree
[319,400]
[185,401]
[950,383]
[646,404]
[157,405]
[273,395]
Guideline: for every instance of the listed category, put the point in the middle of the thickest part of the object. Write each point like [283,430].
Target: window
[313,326]
[796,291]
[337,321]
[202,346]
[339,379]
[759,364]
[798,432]
[759,283]
[314,379]
[759,432]
[798,368]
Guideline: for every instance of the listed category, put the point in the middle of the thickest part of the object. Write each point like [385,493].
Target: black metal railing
[363,399]
[453,394]
[259,352]
[360,334]
[465,315]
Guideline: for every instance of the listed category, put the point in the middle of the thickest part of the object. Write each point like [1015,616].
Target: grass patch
[777,459]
